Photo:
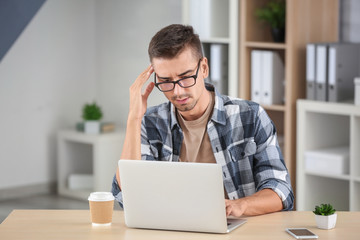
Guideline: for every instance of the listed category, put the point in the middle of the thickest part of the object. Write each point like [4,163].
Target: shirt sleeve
[147,152]
[117,192]
[269,167]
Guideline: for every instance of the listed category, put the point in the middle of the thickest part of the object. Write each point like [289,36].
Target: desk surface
[75,224]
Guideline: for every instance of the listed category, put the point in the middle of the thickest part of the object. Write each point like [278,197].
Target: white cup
[101,208]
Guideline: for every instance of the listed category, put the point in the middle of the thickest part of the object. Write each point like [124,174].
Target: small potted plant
[92,115]
[325,216]
[274,13]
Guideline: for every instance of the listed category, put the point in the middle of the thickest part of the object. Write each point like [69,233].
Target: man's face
[189,101]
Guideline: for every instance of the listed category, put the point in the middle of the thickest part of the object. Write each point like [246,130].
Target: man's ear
[204,67]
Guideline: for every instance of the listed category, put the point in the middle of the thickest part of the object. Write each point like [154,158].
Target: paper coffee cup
[101,208]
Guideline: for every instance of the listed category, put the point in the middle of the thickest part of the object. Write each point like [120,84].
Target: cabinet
[80,153]
[323,125]
[217,22]
[306,21]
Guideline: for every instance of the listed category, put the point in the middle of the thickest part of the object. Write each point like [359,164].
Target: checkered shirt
[243,140]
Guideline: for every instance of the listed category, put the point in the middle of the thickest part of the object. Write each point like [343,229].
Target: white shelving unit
[324,125]
[217,22]
[80,153]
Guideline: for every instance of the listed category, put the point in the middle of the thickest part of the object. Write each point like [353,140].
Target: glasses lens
[165,86]
[187,82]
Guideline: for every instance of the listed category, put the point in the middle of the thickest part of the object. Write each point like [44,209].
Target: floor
[48,201]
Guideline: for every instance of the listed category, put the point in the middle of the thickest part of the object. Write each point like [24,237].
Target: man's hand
[137,109]
[262,202]
[138,100]
[235,207]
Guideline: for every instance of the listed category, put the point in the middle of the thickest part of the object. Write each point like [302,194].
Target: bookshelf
[342,128]
[306,21]
[217,22]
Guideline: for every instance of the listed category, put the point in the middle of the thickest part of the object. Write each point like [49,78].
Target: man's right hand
[137,109]
[138,100]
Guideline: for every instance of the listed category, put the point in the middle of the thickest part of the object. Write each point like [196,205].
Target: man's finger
[143,77]
[148,90]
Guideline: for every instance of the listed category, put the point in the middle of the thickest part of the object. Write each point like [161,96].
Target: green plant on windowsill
[274,14]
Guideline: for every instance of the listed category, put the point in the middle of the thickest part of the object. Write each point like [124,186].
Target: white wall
[72,52]
[125,29]
[44,79]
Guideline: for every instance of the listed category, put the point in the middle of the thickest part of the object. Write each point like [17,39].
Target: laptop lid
[174,196]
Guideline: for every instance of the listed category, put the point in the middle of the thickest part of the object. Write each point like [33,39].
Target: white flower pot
[326,222]
[92,127]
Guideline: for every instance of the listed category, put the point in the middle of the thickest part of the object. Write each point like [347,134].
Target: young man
[200,125]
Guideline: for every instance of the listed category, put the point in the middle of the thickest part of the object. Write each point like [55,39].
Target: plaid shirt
[243,140]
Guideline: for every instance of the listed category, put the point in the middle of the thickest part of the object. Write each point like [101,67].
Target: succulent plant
[324,210]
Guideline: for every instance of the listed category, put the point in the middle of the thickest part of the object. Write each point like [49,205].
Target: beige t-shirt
[196,145]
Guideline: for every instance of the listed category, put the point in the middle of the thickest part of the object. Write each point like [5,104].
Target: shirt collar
[218,115]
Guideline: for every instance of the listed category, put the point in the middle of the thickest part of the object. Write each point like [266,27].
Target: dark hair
[172,40]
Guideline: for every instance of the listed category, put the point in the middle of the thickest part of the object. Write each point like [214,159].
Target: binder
[273,78]
[256,76]
[310,71]
[343,68]
[321,72]
[219,67]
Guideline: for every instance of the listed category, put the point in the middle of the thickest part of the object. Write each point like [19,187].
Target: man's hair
[172,40]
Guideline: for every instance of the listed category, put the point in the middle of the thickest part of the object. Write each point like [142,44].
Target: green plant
[92,112]
[273,13]
[324,210]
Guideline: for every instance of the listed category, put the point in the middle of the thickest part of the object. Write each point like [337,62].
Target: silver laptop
[174,196]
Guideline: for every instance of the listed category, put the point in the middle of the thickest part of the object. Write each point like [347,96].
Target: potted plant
[92,114]
[325,216]
[274,13]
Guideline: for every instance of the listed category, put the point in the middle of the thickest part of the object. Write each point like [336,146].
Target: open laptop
[174,196]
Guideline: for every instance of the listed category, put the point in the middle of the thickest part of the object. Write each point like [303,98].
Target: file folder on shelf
[343,68]
[219,67]
[321,72]
[267,77]
[273,78]
[310,71]
[256,76]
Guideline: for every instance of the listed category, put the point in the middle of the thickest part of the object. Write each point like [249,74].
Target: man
[200,125]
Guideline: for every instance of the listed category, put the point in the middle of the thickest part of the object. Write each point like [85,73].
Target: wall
[44,79]
[126,28]
[71,52]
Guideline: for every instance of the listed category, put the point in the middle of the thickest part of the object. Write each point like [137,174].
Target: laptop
[175,196]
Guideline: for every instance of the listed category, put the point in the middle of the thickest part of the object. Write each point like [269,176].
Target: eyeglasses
[185,82]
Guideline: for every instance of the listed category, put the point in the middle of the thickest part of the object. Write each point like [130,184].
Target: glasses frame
[157,84]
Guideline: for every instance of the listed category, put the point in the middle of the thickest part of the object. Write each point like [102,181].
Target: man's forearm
[132,143]
[262,202]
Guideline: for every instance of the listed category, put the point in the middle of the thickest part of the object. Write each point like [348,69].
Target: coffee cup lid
[101,196]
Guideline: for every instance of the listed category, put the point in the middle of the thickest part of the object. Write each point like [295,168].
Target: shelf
[216,22]
[80,153]
[327,125]
[357,179]
[328,175]
[266,45]
[280,108]
[216,40]
[303,21]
